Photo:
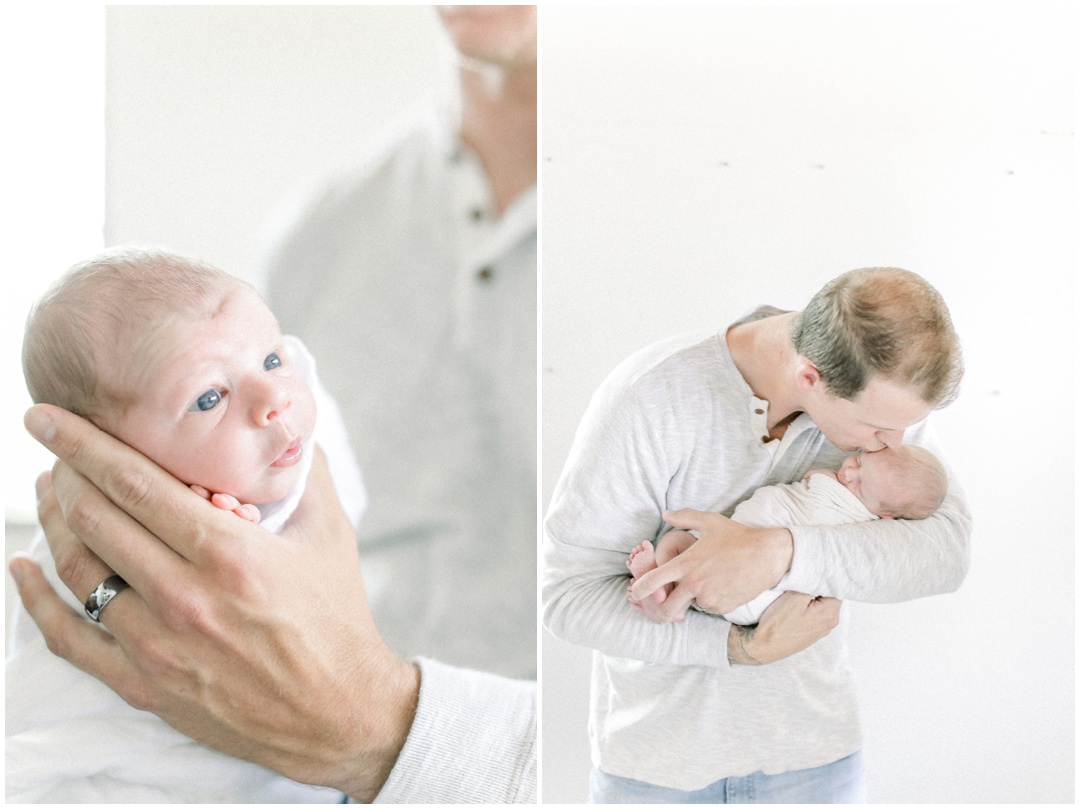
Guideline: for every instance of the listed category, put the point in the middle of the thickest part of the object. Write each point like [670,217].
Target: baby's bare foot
[641,561]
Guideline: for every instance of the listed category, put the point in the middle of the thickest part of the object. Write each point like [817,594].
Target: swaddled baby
[904,482]
[186,364]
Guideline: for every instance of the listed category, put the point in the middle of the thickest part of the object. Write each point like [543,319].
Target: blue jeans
[839,782]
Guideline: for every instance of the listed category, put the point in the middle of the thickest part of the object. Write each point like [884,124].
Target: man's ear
[806,375]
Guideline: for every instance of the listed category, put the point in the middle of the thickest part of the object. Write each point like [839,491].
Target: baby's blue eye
[271,362]
[208,401]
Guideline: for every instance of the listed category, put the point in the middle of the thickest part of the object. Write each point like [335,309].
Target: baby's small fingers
[248,512]
[226,502]
[673,608]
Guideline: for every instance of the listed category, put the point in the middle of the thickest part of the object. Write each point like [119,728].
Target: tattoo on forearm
[746,633]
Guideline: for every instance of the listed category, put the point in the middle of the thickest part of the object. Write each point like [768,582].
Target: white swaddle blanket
[71,739]
[819,500]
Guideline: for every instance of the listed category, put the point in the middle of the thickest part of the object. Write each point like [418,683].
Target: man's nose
[891,438]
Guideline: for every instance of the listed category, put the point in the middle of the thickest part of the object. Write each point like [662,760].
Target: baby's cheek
[306,404]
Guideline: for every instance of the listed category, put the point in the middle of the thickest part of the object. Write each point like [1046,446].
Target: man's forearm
[885,561]
[594,613]
[790,624]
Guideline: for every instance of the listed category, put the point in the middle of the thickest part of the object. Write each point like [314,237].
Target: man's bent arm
[608,499]
[888,561]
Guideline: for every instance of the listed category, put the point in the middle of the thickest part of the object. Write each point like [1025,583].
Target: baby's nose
[272,405]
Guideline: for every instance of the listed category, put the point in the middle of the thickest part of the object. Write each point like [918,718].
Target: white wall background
[699,161]
[54,173]
[217,115]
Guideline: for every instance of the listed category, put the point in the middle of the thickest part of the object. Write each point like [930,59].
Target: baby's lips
[292,455]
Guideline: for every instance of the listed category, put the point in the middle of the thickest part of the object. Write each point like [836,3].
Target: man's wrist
[397,697]
[740,644]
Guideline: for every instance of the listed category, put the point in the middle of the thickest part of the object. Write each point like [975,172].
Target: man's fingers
[667,612]
[688,519]
[138,486]
[674,607]
[828,607]
[648,583]
[676,604]
[78,567]
[91,539]
[67,634]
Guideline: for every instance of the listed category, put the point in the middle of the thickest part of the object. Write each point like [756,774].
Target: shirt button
[765,439]
[485,273]
[476,214]
[760,412]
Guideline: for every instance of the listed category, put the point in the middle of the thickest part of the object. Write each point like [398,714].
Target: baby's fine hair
[82,315]
[925,480]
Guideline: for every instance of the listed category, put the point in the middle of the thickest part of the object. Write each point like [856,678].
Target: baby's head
[179,360]
[903,482]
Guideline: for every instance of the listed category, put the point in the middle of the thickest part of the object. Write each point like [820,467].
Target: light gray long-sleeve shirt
[676,426]
[419,300]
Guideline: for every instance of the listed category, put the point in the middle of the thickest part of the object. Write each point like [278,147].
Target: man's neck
[498,122]
[766,359]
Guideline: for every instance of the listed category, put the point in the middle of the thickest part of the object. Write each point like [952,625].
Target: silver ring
[102,595]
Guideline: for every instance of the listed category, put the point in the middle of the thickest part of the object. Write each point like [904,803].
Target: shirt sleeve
[887,561]
[473,740]
[608,500]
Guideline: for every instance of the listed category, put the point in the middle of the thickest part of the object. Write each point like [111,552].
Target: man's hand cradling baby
[259,645]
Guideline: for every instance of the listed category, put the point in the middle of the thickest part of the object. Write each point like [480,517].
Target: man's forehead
[888,405]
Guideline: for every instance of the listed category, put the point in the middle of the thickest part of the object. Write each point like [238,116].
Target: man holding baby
[686,707]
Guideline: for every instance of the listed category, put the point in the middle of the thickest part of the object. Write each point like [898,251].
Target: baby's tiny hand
[226,502]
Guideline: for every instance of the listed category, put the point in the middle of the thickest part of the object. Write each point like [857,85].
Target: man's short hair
[884,321]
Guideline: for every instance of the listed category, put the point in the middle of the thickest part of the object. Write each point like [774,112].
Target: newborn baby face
[217,399]
[871,477]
